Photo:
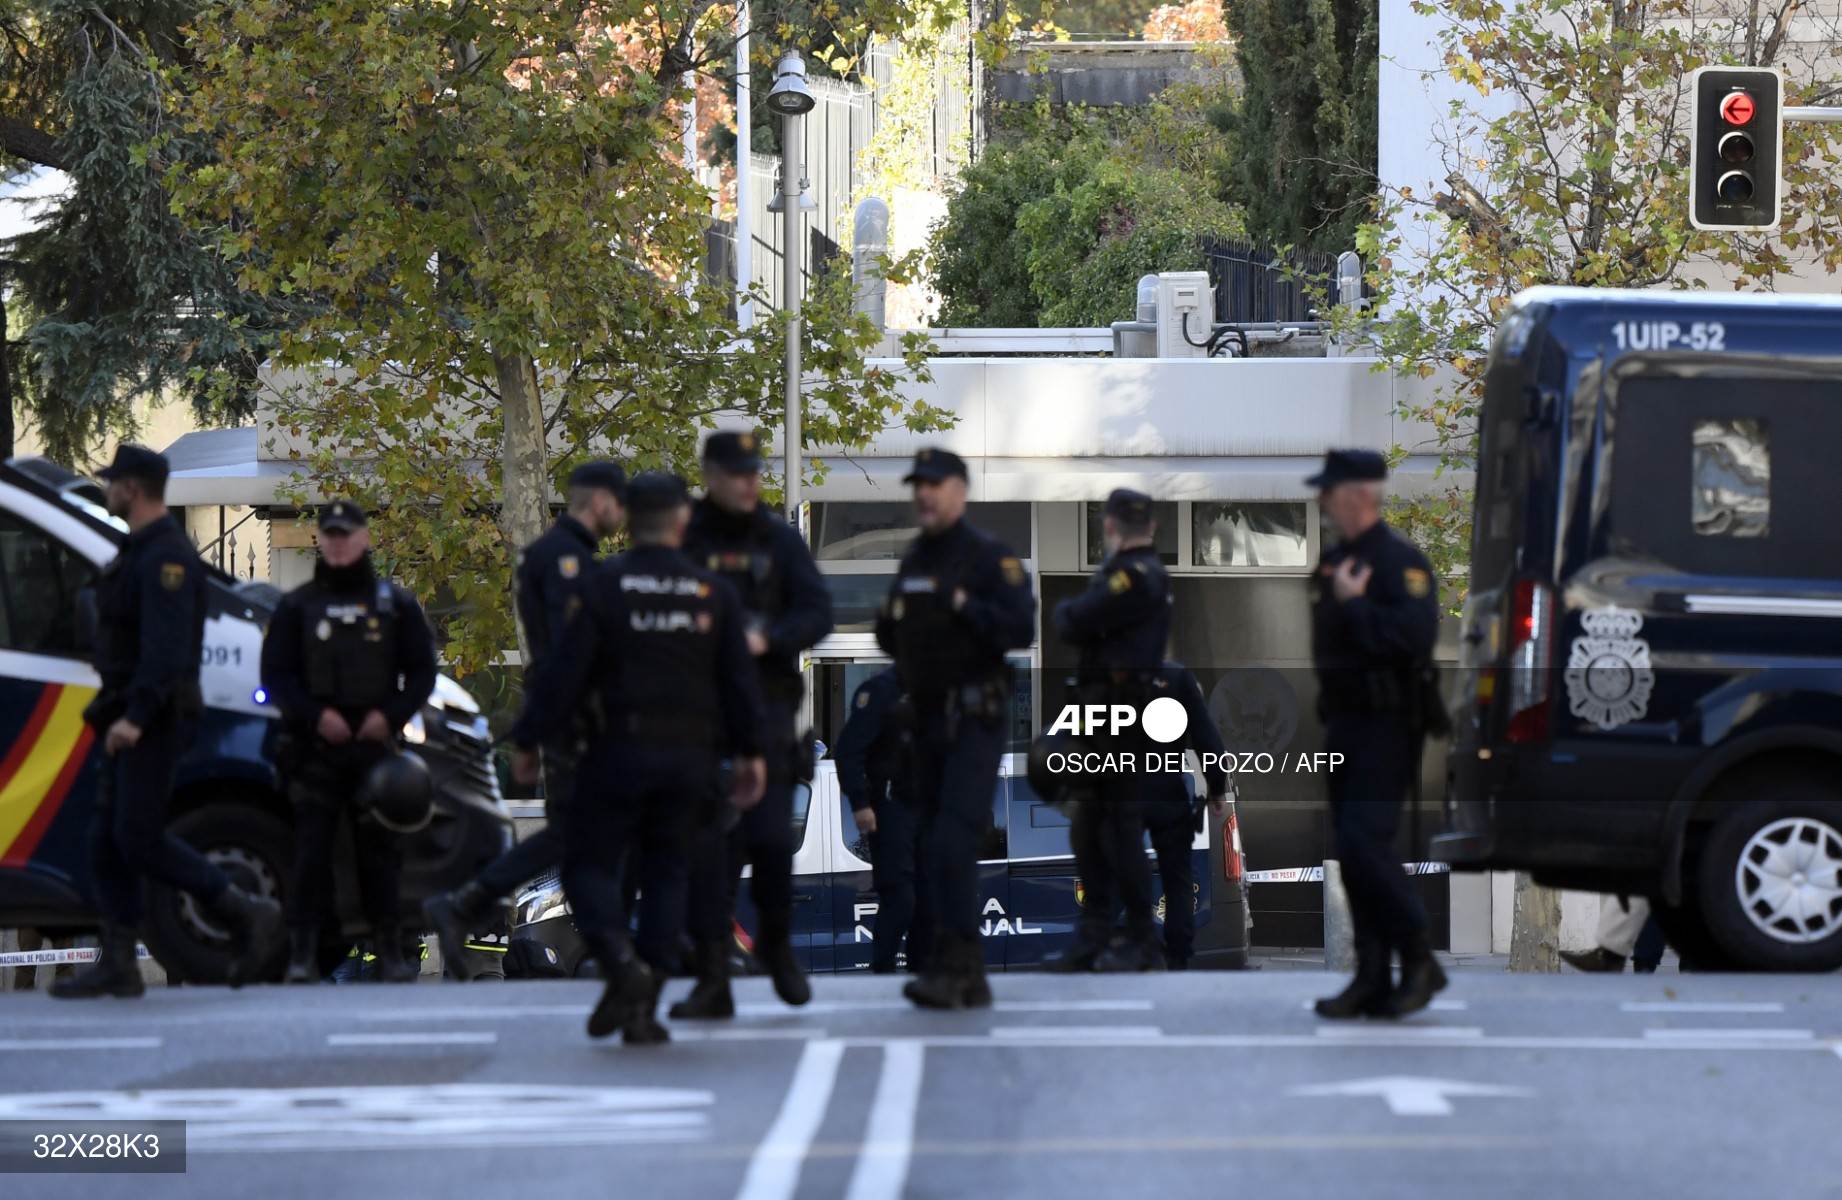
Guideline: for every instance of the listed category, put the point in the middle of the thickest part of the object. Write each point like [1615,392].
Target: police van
[54,540]
[1652,640]
[1030,896]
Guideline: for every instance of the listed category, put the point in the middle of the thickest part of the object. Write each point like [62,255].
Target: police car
[1029,893]
[54,539]
[1653,634]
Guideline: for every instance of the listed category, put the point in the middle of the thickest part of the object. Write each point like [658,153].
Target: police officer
[875,757]
[150,606]
[1120,625]
[1172,816]
[788,609]
[660,653]
[1374,619]
[959,602]
[348,659]
[551,572]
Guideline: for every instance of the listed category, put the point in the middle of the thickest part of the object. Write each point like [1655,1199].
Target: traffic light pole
[1815,116]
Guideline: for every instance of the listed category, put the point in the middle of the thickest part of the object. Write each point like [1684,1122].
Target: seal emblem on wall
[1608,669]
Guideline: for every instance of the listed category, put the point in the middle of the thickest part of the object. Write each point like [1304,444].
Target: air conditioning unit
[1186,305]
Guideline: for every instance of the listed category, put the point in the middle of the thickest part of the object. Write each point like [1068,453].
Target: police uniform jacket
[782,593]
[1122,620]
[938,649]
[1369,648]
[659,652]
[350,641]
[150,606]
[1201,735]
[874,744]
[550,575]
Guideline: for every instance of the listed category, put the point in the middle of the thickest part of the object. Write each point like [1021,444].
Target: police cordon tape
[57,958]
[1316,874]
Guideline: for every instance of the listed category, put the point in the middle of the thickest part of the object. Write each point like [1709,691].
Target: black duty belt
[674,729]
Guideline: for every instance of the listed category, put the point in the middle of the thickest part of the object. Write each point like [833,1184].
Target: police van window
[855,598]
[39,582]
[1732,478]
[1249,535]
[802,804]
[1163,512]
[871,531]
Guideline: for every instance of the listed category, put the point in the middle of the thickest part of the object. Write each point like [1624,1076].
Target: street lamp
[792,100]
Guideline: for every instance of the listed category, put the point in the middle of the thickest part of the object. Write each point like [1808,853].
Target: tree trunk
[524,457]
[1535,929]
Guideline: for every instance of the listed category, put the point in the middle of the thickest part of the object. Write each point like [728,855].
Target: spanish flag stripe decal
[40,768]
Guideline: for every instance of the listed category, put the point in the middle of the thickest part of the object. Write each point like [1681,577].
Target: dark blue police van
[1652,641]
[54,540]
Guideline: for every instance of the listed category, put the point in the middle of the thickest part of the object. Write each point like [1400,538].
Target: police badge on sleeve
[1608,669]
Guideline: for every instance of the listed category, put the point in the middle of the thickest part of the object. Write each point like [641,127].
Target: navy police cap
[136,462]
[600,474]
[933,465]
[734,451]
[655,491]
[342,516]
[1127,505]
[1349,466]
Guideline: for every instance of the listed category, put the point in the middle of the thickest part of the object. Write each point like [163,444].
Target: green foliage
[1580,179]
[1301,157]
[479,212]
[1055,223]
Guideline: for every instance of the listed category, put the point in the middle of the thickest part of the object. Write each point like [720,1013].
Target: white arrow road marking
[773,1172]
[1412,1096]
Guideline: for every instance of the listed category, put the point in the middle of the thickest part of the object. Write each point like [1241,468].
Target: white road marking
[479,1037]
[1401,1033]
[1741,1035]
[1699,1006]
[889,1136]
[1412,1096]
[1028,1032]
[682,1034]
[1435,1006]
[89,1043]
[773,1172]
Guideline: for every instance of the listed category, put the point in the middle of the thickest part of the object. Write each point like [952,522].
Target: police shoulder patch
[863,699]
[1418,583]
[172,576]
[569,566]
[1013,570]
[1119,581]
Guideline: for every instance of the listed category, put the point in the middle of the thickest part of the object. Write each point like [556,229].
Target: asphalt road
[1169,1085]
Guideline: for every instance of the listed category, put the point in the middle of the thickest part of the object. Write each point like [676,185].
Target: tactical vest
[935,651]
[350,652]
[750,568]
[660,685]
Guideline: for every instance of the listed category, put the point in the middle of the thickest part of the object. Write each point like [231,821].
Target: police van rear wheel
[1771,873]
[251,847]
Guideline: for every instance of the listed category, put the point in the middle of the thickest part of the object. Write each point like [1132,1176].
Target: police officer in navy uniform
[551,573]
[1375,616]
[659,652]
[1172,816]
[788,609]
[875,757]
[348,660]
[959,603]
[1120,625]
[151,604]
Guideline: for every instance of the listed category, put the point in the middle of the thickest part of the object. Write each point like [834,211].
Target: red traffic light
[1736,108]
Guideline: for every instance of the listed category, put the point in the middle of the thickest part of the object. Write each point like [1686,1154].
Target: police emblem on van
[1608,669]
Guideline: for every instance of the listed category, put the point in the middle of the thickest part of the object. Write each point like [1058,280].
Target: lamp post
[792,100]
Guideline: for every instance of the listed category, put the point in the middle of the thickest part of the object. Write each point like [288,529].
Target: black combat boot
[387,949]
[1421,978]
[629,983]
[255,928]
[303,955]
[955,977]
[710,998]
[450,915]
[775,950]
[1139,950]
[975,990]
[642,1027]
[1367,995]
[1596,961]
[1091,942]
[114,973]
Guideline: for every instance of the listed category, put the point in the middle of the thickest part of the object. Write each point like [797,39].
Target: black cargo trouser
[543,850]
[129,841]
[896,864]
[1107,833]
[955,777]
[323,787]
[762,838]
[1379,754]
[630,807]
[1172,824]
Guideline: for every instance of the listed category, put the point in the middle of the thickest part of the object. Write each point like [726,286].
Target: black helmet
[399,793]
[1054,787]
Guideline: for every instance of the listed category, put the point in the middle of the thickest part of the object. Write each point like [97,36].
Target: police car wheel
[251,847]
[1771,873]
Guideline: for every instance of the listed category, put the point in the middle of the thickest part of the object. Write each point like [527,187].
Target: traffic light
[1734,150]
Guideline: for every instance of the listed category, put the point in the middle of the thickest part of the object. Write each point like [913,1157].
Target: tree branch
[22,139]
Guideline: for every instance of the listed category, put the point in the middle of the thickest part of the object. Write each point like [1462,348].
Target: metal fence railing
[823,255]
[1255,283]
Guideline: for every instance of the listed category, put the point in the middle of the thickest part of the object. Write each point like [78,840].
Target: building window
[1163,512]
[1732,479]
[879,530]
[1240,534]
